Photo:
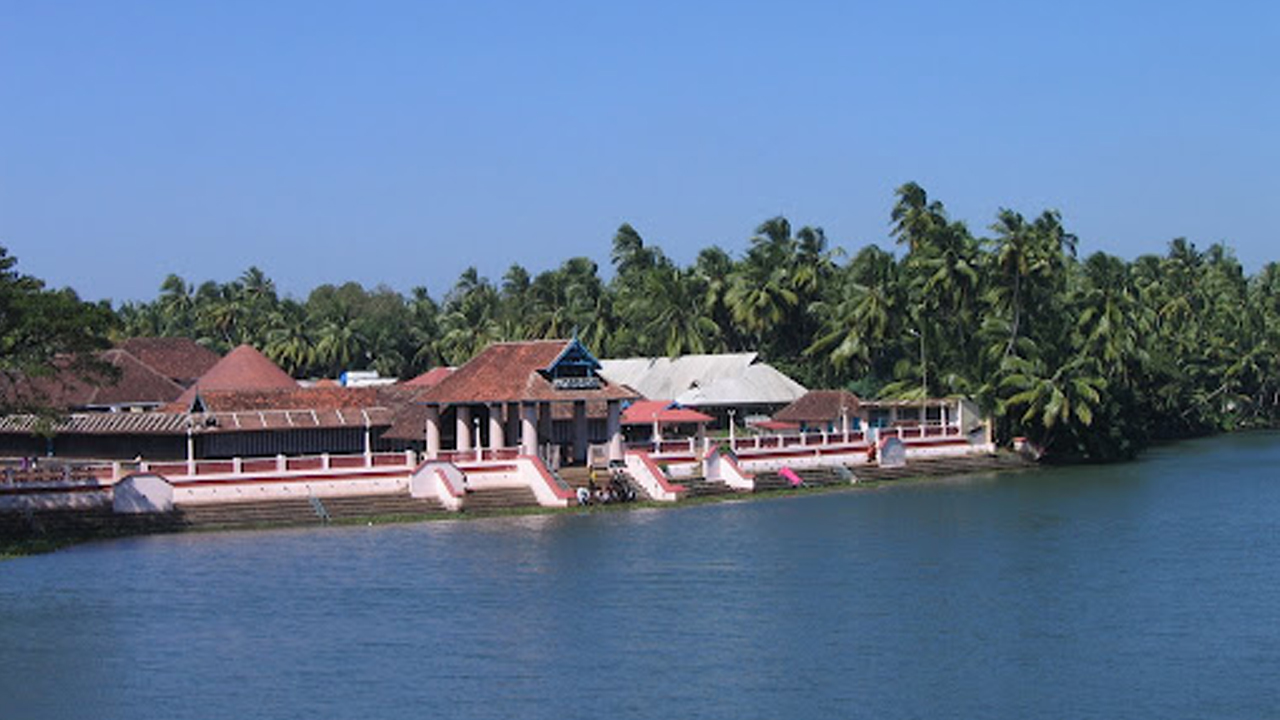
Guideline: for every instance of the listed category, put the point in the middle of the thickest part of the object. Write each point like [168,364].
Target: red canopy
[666,412]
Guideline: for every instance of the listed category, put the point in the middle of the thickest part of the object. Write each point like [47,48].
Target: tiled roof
[508,372]
[170,423]
[242,369]
[302,419]
[819,406]
[644,412]
[297,398]
[136,384]
[430,378]
[101,423]
[180,359]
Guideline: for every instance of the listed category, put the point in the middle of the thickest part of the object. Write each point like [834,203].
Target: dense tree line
[1089,357]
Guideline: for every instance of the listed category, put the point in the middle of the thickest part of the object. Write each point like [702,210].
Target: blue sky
[399,142]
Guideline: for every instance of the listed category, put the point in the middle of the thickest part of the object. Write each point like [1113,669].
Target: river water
[1144,590]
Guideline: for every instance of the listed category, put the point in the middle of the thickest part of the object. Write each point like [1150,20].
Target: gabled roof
[514,372]
[820,406]
[664,412]
[242,369]
[724,379]
[430,378]
[180,359]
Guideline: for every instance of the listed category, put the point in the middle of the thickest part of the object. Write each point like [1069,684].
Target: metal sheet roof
[725,379]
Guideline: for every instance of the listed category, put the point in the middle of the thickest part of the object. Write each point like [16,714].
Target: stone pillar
[546,426]
[497,436]
[529,429]
[464,428]
[512,418]
[614,425]
[580,436]
[433,432]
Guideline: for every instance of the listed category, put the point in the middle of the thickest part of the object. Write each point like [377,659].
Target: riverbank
[52,531]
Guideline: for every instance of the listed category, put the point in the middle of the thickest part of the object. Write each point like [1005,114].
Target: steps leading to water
[696,487]
[248,514]
[812,477]
[935,467]
[497,499]
[580,477]
[367,506]
[96,522]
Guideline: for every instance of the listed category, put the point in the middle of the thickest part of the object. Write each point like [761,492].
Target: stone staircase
[576,477]
[95,522]
[696,487]
[254,513]
[498,499]
[934,467]
[368,506]
[812,477]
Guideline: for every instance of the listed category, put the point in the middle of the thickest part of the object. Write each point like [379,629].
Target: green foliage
[1091,359]
[40,327]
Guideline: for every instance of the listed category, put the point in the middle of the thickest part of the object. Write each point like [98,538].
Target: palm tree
[859,324]
[1053,400]
[290,343]
[676,323]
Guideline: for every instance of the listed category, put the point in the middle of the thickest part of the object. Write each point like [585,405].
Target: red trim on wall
[241,480]
[657,473]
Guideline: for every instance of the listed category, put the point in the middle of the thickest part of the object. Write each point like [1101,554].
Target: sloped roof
[101,423]
[242,369]
[510,372]
[430,378]
[172,423]
[139,383]
[177,358]
[136,384]
[819,406]
[297,398]
[724,379]
[665,412]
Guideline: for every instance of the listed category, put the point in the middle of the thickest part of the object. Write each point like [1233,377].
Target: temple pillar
[433,432]
[464,428]
[512,418]
[580,437]
[496,433]
[614,429]
[528,429]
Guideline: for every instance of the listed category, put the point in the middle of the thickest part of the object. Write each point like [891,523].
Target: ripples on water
[1145,590]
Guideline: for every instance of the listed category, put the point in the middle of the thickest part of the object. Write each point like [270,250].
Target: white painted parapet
[720,465]
[142,493]
[645,471]
[550,491]
[440,480]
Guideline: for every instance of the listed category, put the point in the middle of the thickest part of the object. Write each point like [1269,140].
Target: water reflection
[1140,590]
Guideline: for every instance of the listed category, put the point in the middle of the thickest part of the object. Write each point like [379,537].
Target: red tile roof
[313,398]
[139,384]
[242,369]
[666,412]
[819,406]
[509,372]
[180,359]
[136,384]
[430,378]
